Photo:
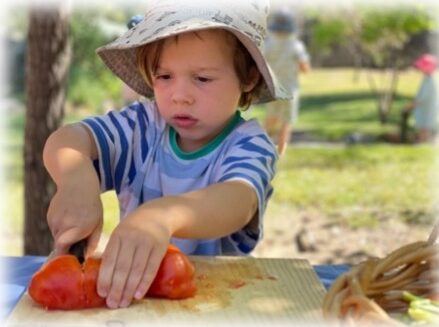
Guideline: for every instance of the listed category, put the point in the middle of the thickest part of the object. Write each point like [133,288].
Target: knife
[78,250]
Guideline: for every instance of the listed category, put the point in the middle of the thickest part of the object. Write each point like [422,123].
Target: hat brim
[120,57]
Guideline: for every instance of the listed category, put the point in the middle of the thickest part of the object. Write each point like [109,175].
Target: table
[19,270]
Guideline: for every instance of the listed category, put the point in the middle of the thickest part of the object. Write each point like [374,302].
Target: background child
[185,166]
[287,56]
[425,106]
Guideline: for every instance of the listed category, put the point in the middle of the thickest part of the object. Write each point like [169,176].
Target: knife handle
[78,250]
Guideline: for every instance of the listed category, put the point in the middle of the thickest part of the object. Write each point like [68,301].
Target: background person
[425,105]
[287,56]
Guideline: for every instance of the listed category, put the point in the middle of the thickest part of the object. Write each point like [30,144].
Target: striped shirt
[140,159]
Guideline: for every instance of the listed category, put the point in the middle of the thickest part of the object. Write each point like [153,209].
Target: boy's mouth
[184,121]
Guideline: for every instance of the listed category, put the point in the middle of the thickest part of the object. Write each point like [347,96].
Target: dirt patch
[313,236]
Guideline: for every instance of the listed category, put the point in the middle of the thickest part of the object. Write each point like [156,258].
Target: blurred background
[353,174]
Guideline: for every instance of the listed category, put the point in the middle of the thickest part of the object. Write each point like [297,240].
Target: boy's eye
[203,79]
[162,76]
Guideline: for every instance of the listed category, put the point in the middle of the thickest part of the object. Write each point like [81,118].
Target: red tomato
[175,277]
[91,271]
[63,283]
[59,284]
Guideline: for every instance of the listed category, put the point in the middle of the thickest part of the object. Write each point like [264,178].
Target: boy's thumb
[66,239]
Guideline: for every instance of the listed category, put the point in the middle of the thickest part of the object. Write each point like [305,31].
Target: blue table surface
[19,270]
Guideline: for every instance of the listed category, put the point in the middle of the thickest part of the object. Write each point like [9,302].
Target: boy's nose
[181,93]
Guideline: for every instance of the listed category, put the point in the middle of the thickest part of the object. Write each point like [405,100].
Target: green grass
[374,180]
[359,184]
[338,102]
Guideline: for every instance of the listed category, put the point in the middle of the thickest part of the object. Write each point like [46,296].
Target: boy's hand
[132,257]
[75,212]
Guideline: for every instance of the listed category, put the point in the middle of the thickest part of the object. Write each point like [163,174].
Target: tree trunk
[47,64]
[385,93]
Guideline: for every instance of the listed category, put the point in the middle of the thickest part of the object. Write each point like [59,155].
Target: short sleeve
[252,160]
[116,135]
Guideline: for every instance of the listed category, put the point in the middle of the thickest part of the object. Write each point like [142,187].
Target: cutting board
[231,290]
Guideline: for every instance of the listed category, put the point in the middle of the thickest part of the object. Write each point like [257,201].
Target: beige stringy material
[372,291]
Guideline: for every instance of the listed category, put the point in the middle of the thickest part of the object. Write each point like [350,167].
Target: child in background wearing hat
[425,106]
[186,167]
[288,57]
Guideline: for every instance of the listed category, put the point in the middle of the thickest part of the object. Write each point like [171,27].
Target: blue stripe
[270,192]
[132,172]
[251,234]
[141,199]
[248,166]
[244,248]
[120,167]
[131,122]
[96,166]
[105,127]
[239,239]
[105,151]
[256,148]
[270,145]
[245,140]
[141,108]
[265,138]
[250,146]
[141,117]
[262,160]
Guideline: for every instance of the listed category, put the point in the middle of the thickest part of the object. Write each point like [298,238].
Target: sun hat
[282,20]
[247,20]
[426,63]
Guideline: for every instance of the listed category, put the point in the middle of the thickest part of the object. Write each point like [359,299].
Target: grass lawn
[338,102]
[358,184]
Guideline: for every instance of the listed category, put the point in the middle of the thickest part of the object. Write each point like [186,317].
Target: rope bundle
[372,291]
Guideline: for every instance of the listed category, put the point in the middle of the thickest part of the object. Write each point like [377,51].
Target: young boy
[185,166]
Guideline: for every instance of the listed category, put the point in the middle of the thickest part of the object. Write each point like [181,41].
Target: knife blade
[78,250]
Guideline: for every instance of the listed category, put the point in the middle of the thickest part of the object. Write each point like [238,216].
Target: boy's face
[196,87]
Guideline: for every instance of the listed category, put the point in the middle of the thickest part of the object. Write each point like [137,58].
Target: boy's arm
[75,211]
[211,212]
[137,245]
[68,150]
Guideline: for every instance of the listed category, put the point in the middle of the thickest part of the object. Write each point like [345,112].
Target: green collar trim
[209,147]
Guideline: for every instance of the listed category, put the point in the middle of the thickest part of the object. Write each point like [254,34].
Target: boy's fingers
[152,267]
[106,270]
[64,240]
[138,267]
[120,275]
